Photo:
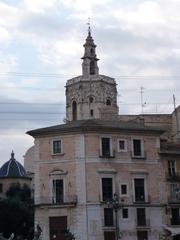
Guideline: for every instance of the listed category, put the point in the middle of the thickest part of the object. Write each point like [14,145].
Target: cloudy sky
[41,43]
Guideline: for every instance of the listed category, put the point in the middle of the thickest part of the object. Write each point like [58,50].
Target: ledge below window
[138,157]
[107,155]
[57,154]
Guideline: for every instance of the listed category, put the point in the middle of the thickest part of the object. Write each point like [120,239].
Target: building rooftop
[95,125]
[12,168]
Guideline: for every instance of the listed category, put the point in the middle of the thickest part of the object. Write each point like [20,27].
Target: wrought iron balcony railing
[143,223]
[107,154]
[65,200]
[173,177]
[141,156]
[174,199]
[141,199]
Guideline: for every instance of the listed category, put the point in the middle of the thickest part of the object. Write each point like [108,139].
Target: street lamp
[68,235]
[115,205]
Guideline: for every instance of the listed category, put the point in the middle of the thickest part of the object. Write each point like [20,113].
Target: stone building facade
[80,165]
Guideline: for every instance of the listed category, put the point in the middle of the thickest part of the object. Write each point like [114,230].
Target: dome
[12,168]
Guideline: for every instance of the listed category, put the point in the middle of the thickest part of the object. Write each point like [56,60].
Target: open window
[58,191]
[171,168]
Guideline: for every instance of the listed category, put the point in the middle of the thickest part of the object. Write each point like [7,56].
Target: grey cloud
[20,115]
[48,26]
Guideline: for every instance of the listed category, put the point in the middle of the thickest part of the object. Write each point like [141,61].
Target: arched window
[92,68]
[74,110]
[91,112]
[108,102]
[91,99]
[92,51]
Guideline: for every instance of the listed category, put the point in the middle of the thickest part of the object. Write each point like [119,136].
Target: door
[109,235]
[57,226]
[142,235]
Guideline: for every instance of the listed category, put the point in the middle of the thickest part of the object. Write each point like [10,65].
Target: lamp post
[115,205]
[68,235]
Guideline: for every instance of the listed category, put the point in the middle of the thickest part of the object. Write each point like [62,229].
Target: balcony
[175,222]
[141,199]
[138,157]
[175,177]
[143,223]
[107,154]
[67,201]
[174,199]
[169,148]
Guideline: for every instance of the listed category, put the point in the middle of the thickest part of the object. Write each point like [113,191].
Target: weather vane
[89,25]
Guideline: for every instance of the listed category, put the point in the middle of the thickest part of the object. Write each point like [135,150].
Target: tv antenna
[143,104]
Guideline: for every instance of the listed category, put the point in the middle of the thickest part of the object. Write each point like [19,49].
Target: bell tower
[89,65]
[91,95]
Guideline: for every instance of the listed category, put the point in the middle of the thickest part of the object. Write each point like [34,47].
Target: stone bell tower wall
[95,98]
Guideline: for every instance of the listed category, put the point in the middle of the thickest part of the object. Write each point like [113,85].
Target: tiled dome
[12,168]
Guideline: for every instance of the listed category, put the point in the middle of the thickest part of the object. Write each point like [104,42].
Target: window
[174,190]
[108,102]
[57,148]
[91,112]
[92,68]
[105,147]
[91,99]
[122,145]
[108,217]
[171,168]
[58,191]
[175,212]
[142,235]
[137,148]
[139,190]
[1,188]
[125,213]
[123,189]
[141,217]
[92,51]
[107,189]
[74,110]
